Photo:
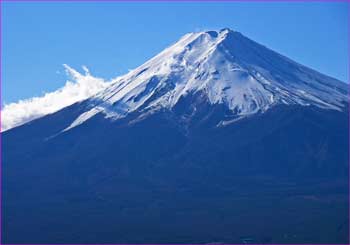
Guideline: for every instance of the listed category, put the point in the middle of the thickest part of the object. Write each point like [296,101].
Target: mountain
[204,143]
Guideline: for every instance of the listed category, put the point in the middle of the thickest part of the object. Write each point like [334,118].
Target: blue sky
[112,37]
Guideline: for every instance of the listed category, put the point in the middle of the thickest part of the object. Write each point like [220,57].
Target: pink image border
[155,1]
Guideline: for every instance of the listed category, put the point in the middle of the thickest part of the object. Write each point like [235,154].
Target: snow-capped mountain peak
[227,68]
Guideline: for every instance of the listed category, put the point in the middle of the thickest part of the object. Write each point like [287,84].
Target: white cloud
[82,87]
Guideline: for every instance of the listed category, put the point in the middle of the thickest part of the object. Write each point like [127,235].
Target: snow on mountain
[227,68]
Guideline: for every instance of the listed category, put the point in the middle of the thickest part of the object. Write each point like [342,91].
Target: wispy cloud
[81,87]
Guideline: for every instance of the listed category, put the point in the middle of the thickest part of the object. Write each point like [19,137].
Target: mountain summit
[203,143]
[225,68]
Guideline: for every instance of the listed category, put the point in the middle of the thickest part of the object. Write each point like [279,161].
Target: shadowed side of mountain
[169,178]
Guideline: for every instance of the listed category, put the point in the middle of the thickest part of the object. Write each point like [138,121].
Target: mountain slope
[161,157]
